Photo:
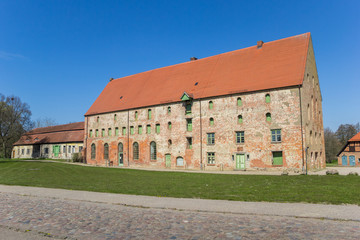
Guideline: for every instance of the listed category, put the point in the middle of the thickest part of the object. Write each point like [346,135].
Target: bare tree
[332,145]
[345,132]
[14,121]
[44,122]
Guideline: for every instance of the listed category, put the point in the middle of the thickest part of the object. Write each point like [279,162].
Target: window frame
[136,151]
[106,151]
[276,134]
[210,158]
[153,151]
[240,137]
[210,138]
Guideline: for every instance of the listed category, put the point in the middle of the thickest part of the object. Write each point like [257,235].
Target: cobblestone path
[86,220]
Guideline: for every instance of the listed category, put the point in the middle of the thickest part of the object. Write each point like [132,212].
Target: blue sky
[58,55]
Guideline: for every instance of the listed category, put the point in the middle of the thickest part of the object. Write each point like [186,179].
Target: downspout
[302,135]
[85,148]
[201,164]
[128,137]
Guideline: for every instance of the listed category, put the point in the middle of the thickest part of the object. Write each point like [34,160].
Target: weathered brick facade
[278,128]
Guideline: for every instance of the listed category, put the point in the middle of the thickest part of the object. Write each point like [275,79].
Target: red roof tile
[73,132]
[276,64]
[355,138]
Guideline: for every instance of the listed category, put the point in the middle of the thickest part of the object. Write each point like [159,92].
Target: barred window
[153,151]
[93,151]
[106,151]
[136,151]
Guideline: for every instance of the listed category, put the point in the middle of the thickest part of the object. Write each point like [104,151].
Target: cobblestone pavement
[87,220]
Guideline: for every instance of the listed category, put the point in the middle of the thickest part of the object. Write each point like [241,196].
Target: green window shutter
[140,129]
[277,158]
[149,114]
[109,131]
[239,102]
[124,131]
[136,115]
[188,108]
[240,119]
[189,125]
[169,125]
[132,130]
[116,131]
[268,117]
[103,132]
[157,128]
[97,133]
[267,98]
[211,122]
[148,129]
[211,105]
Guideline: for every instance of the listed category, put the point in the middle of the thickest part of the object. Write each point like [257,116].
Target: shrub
[76,157]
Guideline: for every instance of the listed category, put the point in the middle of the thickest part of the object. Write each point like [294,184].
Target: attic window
[36,139]
[196,83]
[121,97]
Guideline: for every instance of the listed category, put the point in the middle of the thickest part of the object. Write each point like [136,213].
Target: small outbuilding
[58,142]
[350,153]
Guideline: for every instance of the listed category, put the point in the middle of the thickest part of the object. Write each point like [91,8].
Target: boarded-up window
[153,151]
[149,114]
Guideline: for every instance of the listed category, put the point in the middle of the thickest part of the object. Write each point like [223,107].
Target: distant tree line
[15,120]
[334,141]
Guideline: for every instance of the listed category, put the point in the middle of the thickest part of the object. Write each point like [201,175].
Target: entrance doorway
[344,160]
[240,161]
[168,160]
[121,154]
[352,160]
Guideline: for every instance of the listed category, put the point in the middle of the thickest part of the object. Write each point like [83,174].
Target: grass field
[313,189]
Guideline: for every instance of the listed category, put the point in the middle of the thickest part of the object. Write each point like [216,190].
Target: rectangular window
[148,129]
[27,151]
[277,158]
[109,131]
[117,131]
[103,132]
[189,143]
[132,130]
[69,149]
[46,150]
[240,137]
[124,131]
[64,149]
[90,133]
[157,128]
[188,108]
[189,124]
[140,129]
[210,158]
[80,149]
[211,138]
[23,151]
[97,133]
[276,135]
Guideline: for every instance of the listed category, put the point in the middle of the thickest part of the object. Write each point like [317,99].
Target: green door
[277,158]
[240,161]
[168,160]
[121,154]
[56,151]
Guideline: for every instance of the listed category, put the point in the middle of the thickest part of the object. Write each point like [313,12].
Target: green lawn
[314,189]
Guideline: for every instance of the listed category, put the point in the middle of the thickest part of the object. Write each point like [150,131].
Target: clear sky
[58,55]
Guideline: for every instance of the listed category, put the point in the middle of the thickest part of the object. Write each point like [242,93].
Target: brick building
[57,142]
[350,153]
[253,108]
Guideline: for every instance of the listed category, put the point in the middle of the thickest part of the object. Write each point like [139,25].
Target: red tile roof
[73,132]
[276,64]
[355,138]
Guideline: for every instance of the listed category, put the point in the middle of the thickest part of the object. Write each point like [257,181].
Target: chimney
[259,44]
[111,79]
[193,58]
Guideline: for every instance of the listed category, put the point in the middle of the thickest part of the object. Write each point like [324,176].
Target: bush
[76,157]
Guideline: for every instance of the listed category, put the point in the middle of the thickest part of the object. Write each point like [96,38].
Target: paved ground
[66,214]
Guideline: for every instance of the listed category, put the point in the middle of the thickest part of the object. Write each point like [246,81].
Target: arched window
[136,151]
[98,119]
[93,151]
[211,105]
[149,114]
[169,125]
[267,98]
[239,102]
[106,151]
[268,117]
[136,115]
[211,122]
[120,147]
[169,110]
[115,117]
[240,119]
[152,151]
[169,142]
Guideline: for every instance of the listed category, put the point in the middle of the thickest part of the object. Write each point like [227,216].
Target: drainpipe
[307,148]
[302,135]
[201,164]
[128,137]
